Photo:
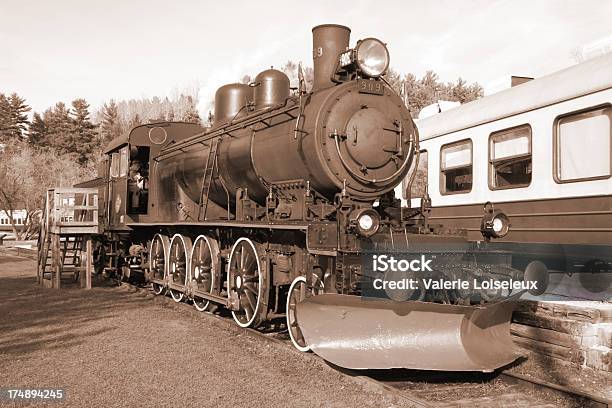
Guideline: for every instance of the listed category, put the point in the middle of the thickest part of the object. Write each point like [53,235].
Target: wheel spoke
[293,321]
[200,251]
[247,261]
[251,299]
[248,311]
[242,256]
[251,288]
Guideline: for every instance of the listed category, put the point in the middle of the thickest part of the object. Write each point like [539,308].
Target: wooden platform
[65,246]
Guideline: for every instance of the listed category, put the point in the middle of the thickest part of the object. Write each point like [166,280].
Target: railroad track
[429,388]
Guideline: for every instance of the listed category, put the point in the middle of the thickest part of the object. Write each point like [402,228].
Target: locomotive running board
[362,333]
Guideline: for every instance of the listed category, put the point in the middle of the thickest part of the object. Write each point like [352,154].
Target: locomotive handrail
[367,180]
[256,117]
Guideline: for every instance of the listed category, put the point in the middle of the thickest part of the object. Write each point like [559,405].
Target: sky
[61,50]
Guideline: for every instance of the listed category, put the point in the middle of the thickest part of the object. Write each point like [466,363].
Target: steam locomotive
[273,211]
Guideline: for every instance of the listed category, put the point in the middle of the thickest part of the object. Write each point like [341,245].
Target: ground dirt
[110,347]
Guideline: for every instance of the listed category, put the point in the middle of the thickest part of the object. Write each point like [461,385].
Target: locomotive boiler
[276,211]
[349,136]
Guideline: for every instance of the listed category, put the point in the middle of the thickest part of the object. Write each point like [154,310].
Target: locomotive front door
[117,194]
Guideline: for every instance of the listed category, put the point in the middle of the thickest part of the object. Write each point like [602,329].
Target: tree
[418,93]
[11,188]
[59,128]
[5,115]
[135,121]
[27,173]
[395,80]
[13,118]
[19,116]
[191,115]
[110,127]
[37,134]
[83,131]
[291,70]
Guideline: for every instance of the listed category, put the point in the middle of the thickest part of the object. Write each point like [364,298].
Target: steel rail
[596,400]
[507,376]
[231,325]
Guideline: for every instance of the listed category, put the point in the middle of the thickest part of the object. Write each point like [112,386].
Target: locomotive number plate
[369,86]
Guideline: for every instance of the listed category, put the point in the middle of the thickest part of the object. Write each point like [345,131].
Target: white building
[18,215]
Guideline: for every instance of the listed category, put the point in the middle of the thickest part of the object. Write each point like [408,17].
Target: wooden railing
[72,210]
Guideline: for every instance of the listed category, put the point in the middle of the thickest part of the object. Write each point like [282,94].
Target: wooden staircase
[68,222]
[70,252]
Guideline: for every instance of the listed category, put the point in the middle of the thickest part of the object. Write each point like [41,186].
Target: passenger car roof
[578,80]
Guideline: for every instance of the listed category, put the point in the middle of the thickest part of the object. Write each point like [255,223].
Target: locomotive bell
[231,101]
[271,88]
[328,41]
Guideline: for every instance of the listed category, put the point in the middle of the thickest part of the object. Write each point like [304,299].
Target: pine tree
[394,79]
[59,127]
[110,127]
[18,116]
[38,132]
[419,93]
[191,115]
[13,118]
[5,122]
[135,121]
[83,133]
[170,114]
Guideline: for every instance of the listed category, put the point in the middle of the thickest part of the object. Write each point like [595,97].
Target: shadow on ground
[33,318]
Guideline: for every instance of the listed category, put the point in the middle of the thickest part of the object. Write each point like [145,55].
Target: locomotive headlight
[498,225]
[372,57]
[494,224]
[365,221]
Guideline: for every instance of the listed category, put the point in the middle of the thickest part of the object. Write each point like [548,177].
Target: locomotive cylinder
[328,41]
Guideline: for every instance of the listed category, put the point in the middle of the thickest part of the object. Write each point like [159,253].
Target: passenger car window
[456,167]
[510,162]
[419,184]
[583,145]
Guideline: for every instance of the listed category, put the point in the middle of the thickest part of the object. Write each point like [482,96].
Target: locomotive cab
[129,195]
[128,183]
[116,190]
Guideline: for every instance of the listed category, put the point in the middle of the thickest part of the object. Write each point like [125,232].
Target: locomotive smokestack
[328,41]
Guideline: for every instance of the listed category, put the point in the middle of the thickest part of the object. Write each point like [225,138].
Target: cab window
[510,158]
[583,145]
[123,163]
[114,170]
[456,170]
